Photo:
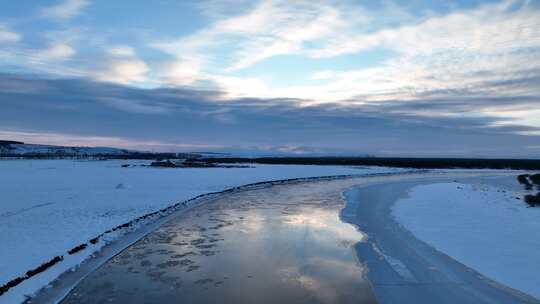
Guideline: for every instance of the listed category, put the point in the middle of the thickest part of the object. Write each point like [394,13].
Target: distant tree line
[419,163]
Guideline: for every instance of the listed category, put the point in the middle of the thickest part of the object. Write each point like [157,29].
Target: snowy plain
[482,226]
[50,206]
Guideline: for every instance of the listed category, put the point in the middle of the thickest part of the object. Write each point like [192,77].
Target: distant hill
[15,148]
[10,142]
[10,148]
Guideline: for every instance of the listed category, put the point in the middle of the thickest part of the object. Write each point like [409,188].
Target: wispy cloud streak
[65,10]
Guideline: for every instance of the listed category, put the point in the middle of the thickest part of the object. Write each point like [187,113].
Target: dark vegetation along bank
[419,163]
[192,163]
[529,181]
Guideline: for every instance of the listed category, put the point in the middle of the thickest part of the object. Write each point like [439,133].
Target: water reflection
[326,224]
[284,243]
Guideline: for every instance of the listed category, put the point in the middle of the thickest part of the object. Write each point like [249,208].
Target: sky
[383,77]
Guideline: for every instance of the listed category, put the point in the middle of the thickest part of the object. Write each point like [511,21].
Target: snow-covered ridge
[485,227]
[14,148]
[51,207]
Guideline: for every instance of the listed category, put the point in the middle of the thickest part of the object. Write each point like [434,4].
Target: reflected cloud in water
[280,244]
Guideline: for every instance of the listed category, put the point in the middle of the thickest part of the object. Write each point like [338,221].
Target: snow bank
[483,227]
[51,206]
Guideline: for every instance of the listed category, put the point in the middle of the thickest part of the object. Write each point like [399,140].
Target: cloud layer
[172,119]
[337,75]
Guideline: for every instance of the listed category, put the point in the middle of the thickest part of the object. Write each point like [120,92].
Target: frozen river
[296,243]
[279,244]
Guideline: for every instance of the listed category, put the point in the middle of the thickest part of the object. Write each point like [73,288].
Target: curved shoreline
[136,229]
[69,280]
[284,243]
[403,269]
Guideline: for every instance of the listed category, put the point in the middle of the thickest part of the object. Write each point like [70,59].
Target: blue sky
[382,77]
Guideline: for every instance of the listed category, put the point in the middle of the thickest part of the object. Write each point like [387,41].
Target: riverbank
[404,269]
[485,225]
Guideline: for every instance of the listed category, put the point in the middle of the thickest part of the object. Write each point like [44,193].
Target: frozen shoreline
[480,225]
[403,268]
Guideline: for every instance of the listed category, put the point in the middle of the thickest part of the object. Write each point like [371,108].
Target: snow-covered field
[50,206]
[481,226]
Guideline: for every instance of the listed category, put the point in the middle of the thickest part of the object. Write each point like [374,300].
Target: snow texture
[51,206]
[483,227]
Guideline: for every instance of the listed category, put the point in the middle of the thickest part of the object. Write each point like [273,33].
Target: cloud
[458,50]
[475,68]
[491,28]
[269,29]
[7,36]
[462,50]
[238,87]
[123,68]
[122,51]
[284,31]
[65,10]
[489,52]
[448,51]
[57,51]
[194,118]
[184,71]
[121,65]
[134,106]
